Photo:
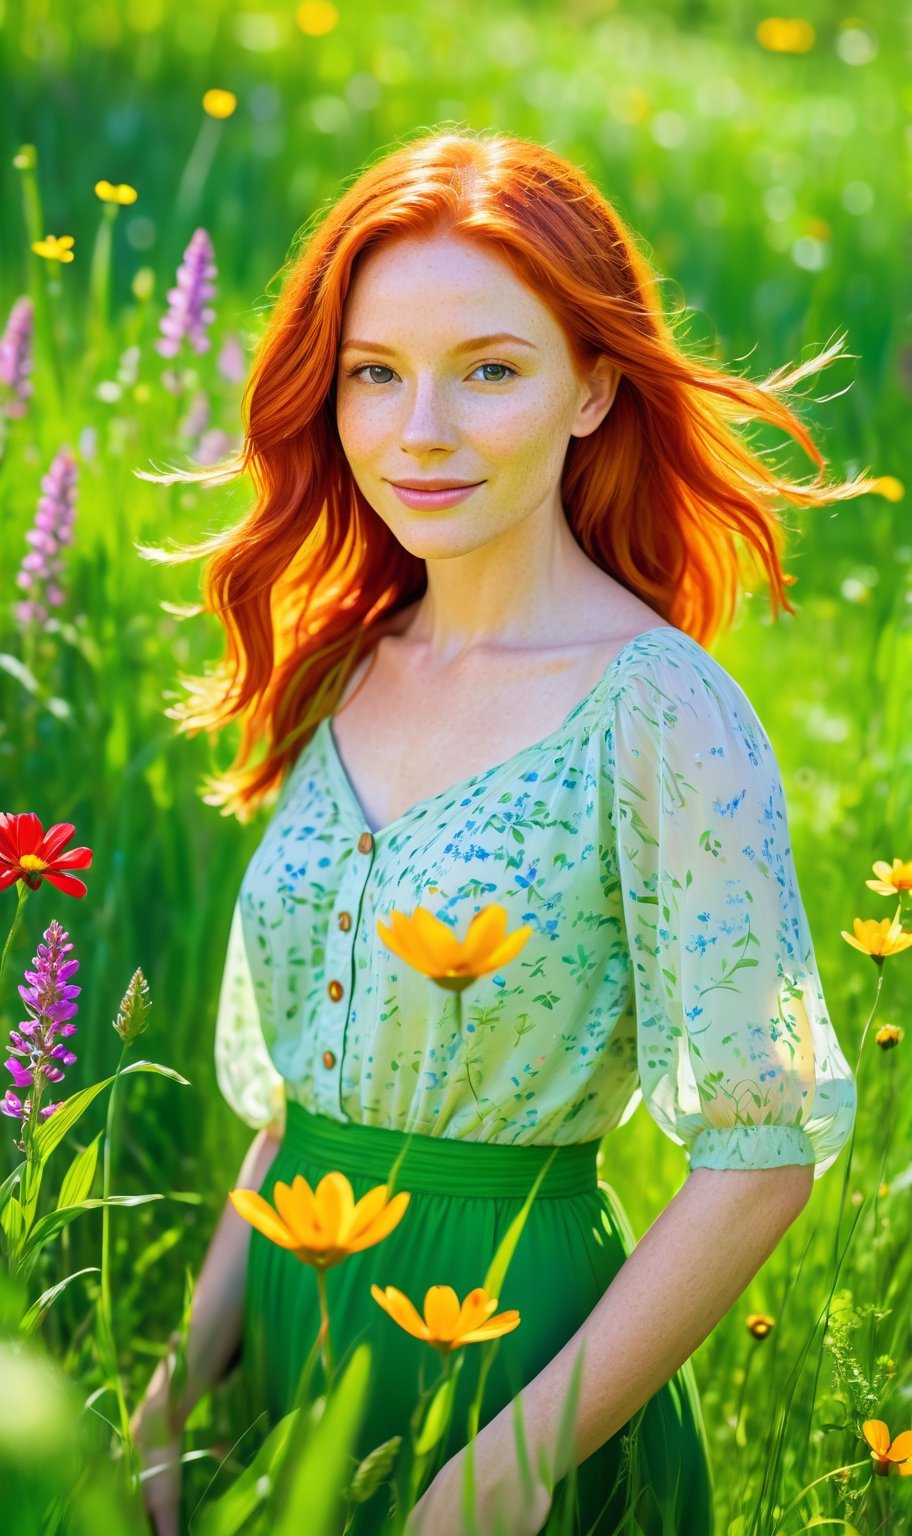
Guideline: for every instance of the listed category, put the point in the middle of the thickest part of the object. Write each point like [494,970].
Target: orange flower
[29,853]
[892,878]
[446,1324]
[432,947]
[759,1324]
[887,1456]
[878,938]
[888,1036]
[323,1226]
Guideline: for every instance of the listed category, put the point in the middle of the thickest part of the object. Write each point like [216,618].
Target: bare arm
[216,1318]
[687,1270]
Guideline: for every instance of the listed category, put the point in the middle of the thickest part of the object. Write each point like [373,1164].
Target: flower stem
[24,893]
[105,1315]
[323,1336]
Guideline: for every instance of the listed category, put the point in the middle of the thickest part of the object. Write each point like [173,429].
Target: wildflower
[42,568]
[322,1226]
[53,249]
[219,103]
[759,1324]
[892,879]
[123,193]
[429,945]
[133,1014]
[232,363]
[447,1325]
[780,34]
[888,1036]
[316,17]
[36,1056]
[878,939]
[188,314]
[888,1456]
[888,487]
[16,355]
[30,854]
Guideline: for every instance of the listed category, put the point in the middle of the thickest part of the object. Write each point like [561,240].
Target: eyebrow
[462,346]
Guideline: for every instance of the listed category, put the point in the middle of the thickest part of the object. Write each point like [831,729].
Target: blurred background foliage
[761,162]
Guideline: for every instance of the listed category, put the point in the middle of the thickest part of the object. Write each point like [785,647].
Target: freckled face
[421,404]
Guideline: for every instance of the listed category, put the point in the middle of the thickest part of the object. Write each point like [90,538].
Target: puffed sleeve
[245,1072]
[738,1060]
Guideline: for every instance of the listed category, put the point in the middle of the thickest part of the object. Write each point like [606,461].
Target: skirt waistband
[439,1164]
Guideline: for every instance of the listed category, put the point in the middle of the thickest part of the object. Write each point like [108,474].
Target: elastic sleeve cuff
[752,1146]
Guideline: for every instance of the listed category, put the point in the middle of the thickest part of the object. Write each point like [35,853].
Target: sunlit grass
[759,165]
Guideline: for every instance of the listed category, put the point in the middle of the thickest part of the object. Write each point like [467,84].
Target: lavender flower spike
[40,572]
[188,314]
[16,355]
[51,1003]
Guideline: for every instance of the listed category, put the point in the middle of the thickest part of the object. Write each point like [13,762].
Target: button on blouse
[646,844]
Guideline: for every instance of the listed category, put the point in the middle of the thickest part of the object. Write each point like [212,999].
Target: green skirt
[464,1196]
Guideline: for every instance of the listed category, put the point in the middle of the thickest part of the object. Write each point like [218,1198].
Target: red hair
[664,496]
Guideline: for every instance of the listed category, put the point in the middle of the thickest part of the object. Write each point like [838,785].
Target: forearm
[216,1317]
[688,1269]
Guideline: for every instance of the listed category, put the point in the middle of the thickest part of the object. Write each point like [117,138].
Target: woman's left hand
[502,1506]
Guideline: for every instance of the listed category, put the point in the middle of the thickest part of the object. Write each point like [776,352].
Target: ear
[599,391]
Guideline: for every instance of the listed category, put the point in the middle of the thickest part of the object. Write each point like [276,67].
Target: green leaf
[438,1417]
[38,1308]
[28,1194]
[54,1221]
[78,1178]
[315,1469]
[374,1470]
[497,1269]
[9,1184]
[13,1221]
[228,1514]
[52,1132]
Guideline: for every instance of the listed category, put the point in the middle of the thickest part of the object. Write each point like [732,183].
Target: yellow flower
[123,193]
[892,878]
[324,1226]
[316,17]
[888,1456]
[888,1036]
[446,1324]
[878,939]
[781,34]
[219,103]
[889,487]
[759,1324]
[432,947]
[54,249]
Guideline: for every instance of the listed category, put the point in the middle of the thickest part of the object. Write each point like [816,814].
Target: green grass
[768,189]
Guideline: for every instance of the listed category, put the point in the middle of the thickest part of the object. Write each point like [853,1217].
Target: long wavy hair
[666,496]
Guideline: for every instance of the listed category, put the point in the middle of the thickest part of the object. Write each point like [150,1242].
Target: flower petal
[504,1322]
[383,1224]
[296,1205]
[401,1310]
[877,1435]
[334,1203]
[901,1447]
[441,1312]
[251,1205]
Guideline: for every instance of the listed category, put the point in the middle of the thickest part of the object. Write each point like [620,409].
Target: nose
[427,420]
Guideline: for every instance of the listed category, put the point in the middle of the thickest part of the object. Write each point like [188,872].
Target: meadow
[761,161]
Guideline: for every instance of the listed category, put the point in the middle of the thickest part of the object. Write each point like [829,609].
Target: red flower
[29,853]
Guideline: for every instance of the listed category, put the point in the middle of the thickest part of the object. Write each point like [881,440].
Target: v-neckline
[466,783]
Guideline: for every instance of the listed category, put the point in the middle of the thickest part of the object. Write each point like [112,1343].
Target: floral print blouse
[645,841]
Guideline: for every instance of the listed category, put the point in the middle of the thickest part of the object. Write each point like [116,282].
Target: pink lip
[428,500]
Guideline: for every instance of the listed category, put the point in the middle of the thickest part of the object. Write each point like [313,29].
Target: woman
[473,313]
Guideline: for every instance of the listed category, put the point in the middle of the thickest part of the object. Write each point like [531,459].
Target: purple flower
[50,999]
[188,314]
[42,568]
[232,363]
[16,356]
